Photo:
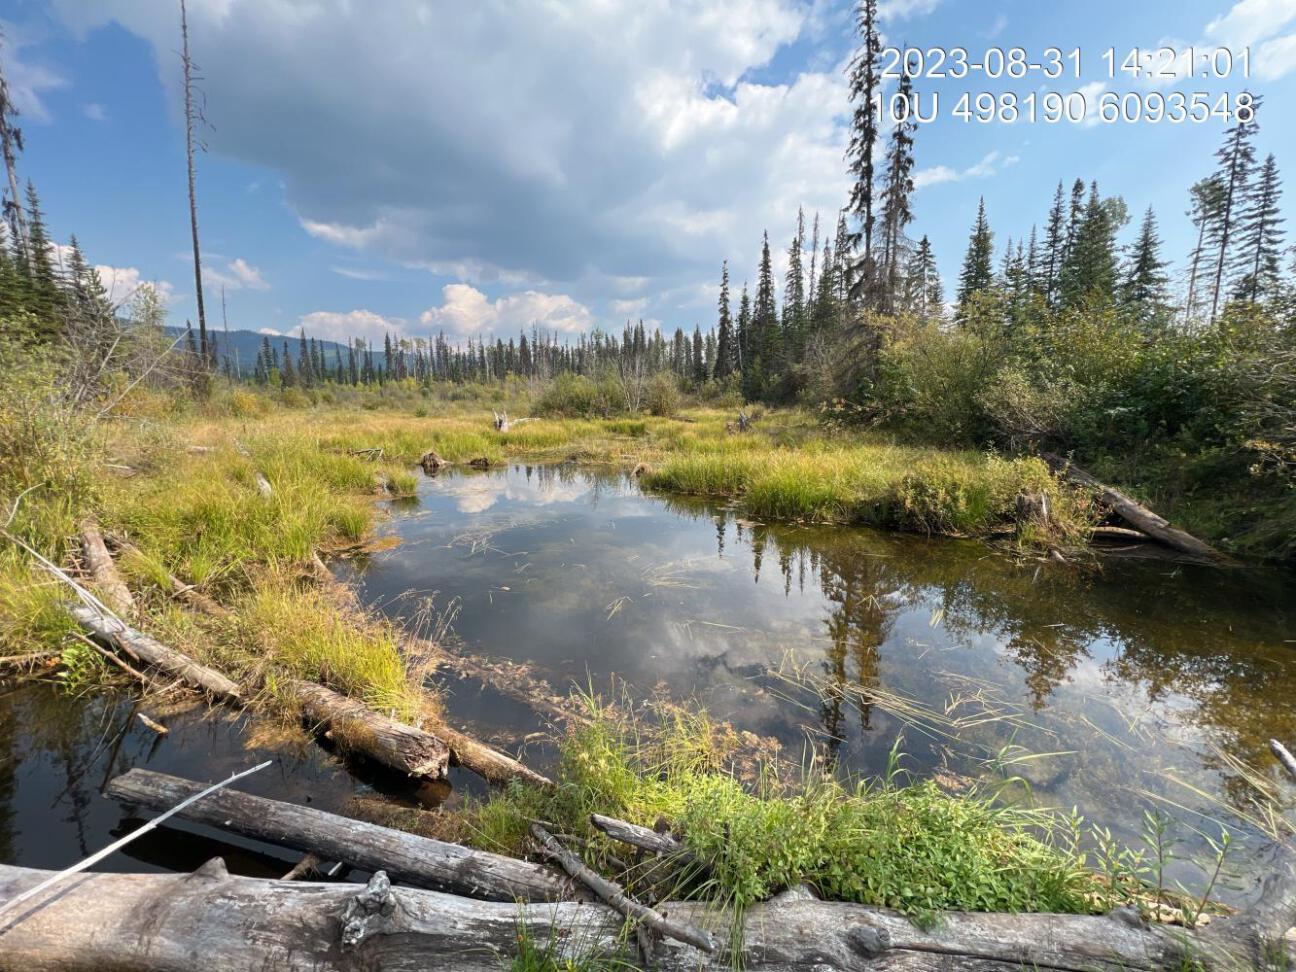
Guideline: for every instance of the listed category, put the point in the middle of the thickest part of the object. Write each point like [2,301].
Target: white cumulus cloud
[238,274]
[465,312]
[990,164]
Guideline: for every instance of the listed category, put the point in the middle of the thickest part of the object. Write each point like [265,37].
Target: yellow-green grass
[905,487]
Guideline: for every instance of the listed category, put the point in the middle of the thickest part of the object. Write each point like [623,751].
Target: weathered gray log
[209,920]
[490,764]
[612,894]
[1136,514]
[358,729]
[106,576]
[415,860]
[642,837]
[1284,756]
[152,652]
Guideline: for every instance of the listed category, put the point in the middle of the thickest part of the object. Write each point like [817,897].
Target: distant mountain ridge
[242,346]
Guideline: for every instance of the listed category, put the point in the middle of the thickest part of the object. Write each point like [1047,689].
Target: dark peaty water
[1142,685]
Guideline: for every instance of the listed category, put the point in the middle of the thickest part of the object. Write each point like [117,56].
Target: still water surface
[1143,683]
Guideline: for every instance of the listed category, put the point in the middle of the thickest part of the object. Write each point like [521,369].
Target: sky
[418,166]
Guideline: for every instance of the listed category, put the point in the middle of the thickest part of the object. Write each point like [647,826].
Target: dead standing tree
[11,144]
[193,117]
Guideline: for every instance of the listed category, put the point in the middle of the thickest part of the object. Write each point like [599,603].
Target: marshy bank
[1039,677]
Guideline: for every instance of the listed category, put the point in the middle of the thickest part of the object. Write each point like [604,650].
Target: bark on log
[106,576]
[613,895]
[152,652]
[1136,514]
[490,764]
[358,729]
[409,858]
[210,920]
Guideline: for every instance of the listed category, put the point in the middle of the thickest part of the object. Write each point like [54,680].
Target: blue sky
[425,166]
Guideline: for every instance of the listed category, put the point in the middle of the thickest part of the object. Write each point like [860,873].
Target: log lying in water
[358,729]
[1136,514]
[152,652]
[106,576]
[490,764]
[409,858]
[210,920]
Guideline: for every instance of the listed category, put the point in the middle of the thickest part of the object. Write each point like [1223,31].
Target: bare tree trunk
[192,117]
[9,141]
[209,921]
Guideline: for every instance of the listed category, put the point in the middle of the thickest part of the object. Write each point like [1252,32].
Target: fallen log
[409,858]
[1136,514]
[210,920]
[642,837]
[613,895]
[490,764]
[106,576]
[152,652]
[358,729]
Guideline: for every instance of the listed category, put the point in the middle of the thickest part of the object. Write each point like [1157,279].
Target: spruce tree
[287,373]
[1204,211]
[765,325]
[897,211]
[1090,268]
[977,274]
[1236,164]
[823,314]
[725,360]
[1145,291]
[1055,237]
[864,83]
[1260,238]
[842,262]
[794,302]
[44,298]
[744,336]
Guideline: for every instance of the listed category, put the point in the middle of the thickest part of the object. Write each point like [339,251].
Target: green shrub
[662,397]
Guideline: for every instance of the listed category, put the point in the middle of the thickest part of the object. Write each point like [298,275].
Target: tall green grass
[757,828]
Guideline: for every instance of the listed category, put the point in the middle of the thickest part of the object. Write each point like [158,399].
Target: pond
[1111,688]
[1114,689]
